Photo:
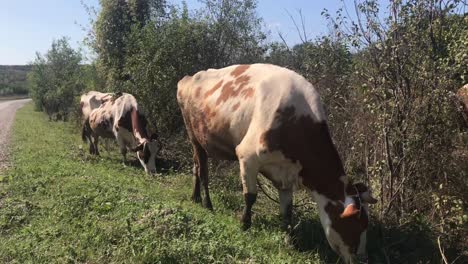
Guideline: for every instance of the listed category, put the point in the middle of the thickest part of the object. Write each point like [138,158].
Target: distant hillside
[13,79]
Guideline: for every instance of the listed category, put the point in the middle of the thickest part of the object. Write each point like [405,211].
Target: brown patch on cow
[349,228]
[302,139]
[462,97]
[210,132]
[230,91]
[247,93]
[239,70]
[242,80]
[197,91]
[126,121]
[227,92]
[139,123]
[235,107]
[213,90]
[209,114]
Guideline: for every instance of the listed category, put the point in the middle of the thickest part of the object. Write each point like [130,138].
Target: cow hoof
[287,227]
[246,222]
[246,226]
[207,204]
[196,199]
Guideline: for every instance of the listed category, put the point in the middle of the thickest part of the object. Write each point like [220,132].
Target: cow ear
[365,193]
[350,211]
[138,148]
[367,198]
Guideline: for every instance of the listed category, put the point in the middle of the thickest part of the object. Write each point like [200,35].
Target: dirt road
[7,115]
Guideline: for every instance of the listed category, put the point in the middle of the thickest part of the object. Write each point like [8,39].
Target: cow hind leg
[95,144]
[201,168]
[248,175]
[92,150]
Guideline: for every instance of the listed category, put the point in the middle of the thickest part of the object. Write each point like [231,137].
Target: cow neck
[138,126]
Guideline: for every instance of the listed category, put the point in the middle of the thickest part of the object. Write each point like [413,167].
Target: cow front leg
[92,150]
[248,175]
[286,207]
[122,147]
[123,151]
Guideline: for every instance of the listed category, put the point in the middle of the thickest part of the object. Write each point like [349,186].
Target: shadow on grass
[414,243]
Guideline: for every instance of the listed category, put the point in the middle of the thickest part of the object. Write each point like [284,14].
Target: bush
[55,79]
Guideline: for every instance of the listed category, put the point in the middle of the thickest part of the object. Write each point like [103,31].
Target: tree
[406,66]
[236,30]
[56,78]
[111,28]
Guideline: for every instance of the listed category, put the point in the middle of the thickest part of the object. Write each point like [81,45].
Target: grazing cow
[272,121]
[120,118]
[88,102]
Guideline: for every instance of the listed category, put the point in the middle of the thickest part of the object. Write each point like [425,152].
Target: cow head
[345,224]
[146,153]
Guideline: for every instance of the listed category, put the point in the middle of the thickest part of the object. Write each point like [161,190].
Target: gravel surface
[7,115]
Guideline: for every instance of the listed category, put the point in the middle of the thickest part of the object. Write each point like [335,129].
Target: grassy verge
[58,204]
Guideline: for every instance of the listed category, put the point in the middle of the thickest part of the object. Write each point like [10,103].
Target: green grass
[58,204]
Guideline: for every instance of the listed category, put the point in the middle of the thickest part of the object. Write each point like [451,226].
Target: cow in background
[272,121]
[88,102]
[121,118]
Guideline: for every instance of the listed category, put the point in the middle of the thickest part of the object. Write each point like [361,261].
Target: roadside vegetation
[59,204]
[387,81]
[13,80]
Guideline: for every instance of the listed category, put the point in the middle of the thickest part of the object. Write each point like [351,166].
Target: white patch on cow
[92,100]
[334,239]
[348,200]
[282,172]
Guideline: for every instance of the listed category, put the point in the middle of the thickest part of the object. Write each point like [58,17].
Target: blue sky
[27,26]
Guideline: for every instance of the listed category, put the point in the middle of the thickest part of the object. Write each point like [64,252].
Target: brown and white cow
[88,102]
[120,118]
[92,100]
[272,121]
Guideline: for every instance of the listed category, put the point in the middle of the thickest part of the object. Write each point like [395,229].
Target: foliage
[56,78]
[387,82]
[405,141]
[111,29]
[59,204]
[13,79]
[146,47]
